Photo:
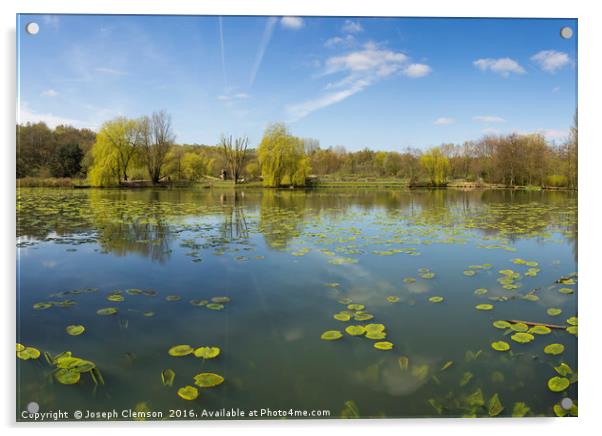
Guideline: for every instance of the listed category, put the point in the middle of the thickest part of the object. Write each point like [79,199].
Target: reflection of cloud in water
[49,263]
[418,287]
[387,376]
[293,334]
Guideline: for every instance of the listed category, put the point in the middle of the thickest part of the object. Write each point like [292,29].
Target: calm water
[285,259]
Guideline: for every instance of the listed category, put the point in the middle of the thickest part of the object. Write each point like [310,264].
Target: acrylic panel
[253,217]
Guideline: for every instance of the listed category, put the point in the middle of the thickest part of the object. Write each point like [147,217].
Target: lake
[288,261]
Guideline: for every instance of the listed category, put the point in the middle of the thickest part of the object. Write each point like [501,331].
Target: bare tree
[155,137]
[235,154]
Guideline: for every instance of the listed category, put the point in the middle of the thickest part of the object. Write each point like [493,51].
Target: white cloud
[237,96]
[551,60]
[352,27]
[489,119]
[554,134]
[501,66]
[443,121]
[294,23]
[417,70]
[49,93]
[26,115]
[361,69]
[110,71]
[336,41]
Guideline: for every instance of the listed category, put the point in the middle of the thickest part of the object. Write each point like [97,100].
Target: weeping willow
[282,158]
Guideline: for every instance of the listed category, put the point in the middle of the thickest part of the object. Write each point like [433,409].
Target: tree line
[125,150]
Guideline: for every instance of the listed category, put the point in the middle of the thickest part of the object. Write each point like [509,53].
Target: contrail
[221,42]
[267,35]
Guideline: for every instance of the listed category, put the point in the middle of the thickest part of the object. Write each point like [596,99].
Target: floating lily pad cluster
[68,368]
[26,353]
[216,303]
[509,279]
[202,380]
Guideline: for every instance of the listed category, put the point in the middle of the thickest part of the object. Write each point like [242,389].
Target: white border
[590,35]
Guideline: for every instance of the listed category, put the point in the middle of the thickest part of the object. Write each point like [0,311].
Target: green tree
[66,161]
[195,166]
[436,166]
[282,158]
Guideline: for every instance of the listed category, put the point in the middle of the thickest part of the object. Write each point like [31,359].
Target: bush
[556,181]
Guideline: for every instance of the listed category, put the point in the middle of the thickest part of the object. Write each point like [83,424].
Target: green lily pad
[436,299]
[207,352]
[553,311]
[469,273]
[42,306]
[383,345]
[188,393]
[363,316]
[208,380]
[494,406]
[199,302]
[345,301]
[221,300]
[500,346]
[215,306]
[475,399]
[554,349]
[28,353]
[428,275]
[356,306]
[522,338]
[107,311]
[572,329]
[376,335]
[134,291]
[480,291]
[342,316]
[558,384]
[572,320]
[173,298]
[74,364]
[392,299]
[520,409]
[563,369]
[519,327]
[409,280]
[484,306]
[331,335]
[180,350]
[355,330]
[540,330]
[167,377]
[566,291]
[20,347]
[75,330]
[116,298]
[375,327]
[67,376]
[501,324]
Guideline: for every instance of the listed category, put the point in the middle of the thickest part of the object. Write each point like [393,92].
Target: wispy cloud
[417,70]
[502,66]
[551,60]
[360,69]
[222,51]
[231,97]
[294,23]
[49,93]
[338,41]
[443,121]
[352,27]
[263,45]
[489,119]
[28,115]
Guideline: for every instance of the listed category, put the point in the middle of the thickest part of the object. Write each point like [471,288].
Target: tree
[154,139]
[195,166]
[282,158]
[113,151]
[66,161]
[234,154]
[436,165]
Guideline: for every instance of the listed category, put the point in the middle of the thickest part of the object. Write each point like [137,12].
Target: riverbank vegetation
[144,151]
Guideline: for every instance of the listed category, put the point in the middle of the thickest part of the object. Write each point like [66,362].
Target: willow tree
[436,166]
[282,158]
[113,152]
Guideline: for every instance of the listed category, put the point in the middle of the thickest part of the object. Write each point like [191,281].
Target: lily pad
[20,347]
[207,352]
[436,299]
[566,291]
[501,324]
[28,353]
[199,302]
[167,377]
[392,299]
[208,380]
[520,409]
[221,300]
[345,301]
[383,345]
[173,298]
[554,349]
[572,329]
[331,335]
[572,320]
[188,393]
[540,330]
[522,338]
[67,376]
[376,335]
[75,330]
[500,346]
[553,311]
[107,311]
[180,350]
[494,407]
[355,330]
[519,327]
[42,306]
[342,316]
[134,291]
[116,298]
[558,384]
[469,273]
[355,306]
[215,306]
[484,306]
[480,291]
[363,316]
[375,327]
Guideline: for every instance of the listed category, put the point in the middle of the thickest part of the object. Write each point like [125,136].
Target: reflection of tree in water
[281,216]
[234,226]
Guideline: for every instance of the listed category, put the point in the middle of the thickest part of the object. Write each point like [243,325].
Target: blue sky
[383,83]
